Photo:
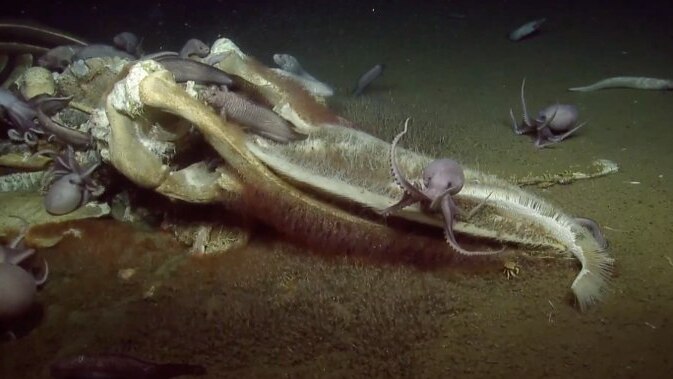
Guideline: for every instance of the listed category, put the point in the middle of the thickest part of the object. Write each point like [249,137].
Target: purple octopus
[552,125]
[71,185]
[442,179]
[21,116]
[29,119]
[18,284]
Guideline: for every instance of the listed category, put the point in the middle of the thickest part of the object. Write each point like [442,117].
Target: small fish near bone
[59,57]
[128,42]
[184,70]
[118,366]
[258,119]
[526,30]
[101,50]
[635,82]
[290,66]
[552,125]
[194,47]
[368,77]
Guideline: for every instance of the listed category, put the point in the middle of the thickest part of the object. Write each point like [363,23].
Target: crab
[510,269]
[322,190]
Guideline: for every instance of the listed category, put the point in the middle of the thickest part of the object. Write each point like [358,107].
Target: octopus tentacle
[21,115]
[543,138]
[30,138]
[95,189]
[447,211]
[437,200]
[397,173]
[89,170]
[22,234]
[45,274]
[406,200]
[561,137]
[14,135]
[476,209]
[518,129]
[526,119]
[16,256]
[549,120]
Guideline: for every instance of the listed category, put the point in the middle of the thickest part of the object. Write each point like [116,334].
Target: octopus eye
[77,181]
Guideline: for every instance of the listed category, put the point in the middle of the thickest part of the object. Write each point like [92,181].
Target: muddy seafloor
[274,310]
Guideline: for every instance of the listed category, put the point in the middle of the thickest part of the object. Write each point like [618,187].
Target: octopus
[29,119]
[552,125]
[18,284]
[21,116]
[442,179]
[70,184]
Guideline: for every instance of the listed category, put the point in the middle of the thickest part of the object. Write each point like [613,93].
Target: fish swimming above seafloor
[526,30]
[117,366]
[367,78]
[636,82]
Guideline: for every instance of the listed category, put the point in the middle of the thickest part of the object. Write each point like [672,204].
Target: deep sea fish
[636,82]
[194,47]
[128,42]
[115,366]
[261,120]
[58,58]
[367,78]
[101,50]
[526,30]
[290,67]
[187,69]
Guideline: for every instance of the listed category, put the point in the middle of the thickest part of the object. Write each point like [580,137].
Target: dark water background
[264,312]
